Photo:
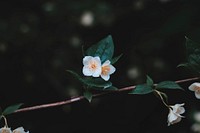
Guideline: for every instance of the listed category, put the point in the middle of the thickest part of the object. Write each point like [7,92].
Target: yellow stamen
[105,70]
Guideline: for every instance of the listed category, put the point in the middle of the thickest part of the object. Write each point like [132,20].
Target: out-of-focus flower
[195,127]
[20,130]
[92,66]
[175,112]
[5,130]
[196,88]
[106,70]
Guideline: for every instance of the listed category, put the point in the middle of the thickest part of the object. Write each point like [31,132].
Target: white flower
[92,66]
[196,88]
[106,70]
[175,112]
[20,130]
[5,130]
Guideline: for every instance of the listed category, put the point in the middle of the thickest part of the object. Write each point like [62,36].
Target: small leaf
[142,89]
[115,59]
[11,109]
[104,49]
[168,85]
[88,95]
[149,81]
[92,82]
[112,88]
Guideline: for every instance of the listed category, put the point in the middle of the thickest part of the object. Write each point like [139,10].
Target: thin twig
[75,99]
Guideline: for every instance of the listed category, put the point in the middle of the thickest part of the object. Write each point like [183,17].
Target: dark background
[40,39]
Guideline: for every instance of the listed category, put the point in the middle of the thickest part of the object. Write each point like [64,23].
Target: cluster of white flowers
[93,67]
[8,130]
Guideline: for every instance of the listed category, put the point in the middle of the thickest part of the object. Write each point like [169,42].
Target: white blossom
[5,130]
[106,70]
[20,130]
[92,66]
[196,88]
[175,112]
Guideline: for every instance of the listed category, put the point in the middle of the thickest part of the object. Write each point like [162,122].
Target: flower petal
[105,77]
[20,130]
[87,59]
[112,69]
[97,72]
[87,71]
[177,108]
[197,94]
[193,86]
[106,63]
[5,130]
[171,117]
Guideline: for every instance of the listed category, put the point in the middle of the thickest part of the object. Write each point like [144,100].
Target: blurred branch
[74,99]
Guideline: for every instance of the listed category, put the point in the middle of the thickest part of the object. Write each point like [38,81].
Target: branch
[74,99]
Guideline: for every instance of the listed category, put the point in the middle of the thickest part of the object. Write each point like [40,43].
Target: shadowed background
[39,40]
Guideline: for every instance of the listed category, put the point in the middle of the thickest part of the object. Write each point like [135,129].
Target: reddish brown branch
[81,97]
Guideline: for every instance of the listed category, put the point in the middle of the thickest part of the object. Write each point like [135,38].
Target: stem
[5,121]
[159,93]
[74,99]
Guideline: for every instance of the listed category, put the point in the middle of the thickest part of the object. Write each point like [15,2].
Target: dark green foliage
[11,109]
[168,85]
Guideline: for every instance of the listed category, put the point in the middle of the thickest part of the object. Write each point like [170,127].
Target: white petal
[192,86]
[197,94]
[106,63]
[87,59]
[97,60]
[97,72]
[87,71]
[105,77]
[112,69]
[5,130]
[20,130]
[177,108]
[172,116]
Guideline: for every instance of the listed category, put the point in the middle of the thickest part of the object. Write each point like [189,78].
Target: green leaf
[115,59]
[168,85]
[91,82]
[193,55]
[104,49]
[112,88]
[88,95]
[11,109]
[149,81]
[142,89]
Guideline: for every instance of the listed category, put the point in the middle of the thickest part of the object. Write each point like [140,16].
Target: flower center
[93,65]
[105,70]
[197,89]
[5,131]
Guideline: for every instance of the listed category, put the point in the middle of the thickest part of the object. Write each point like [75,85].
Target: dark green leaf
[115,59]
[112,88]
[92,82]
[88,95]
[149,81]
[104,49]
[12,108]
[142,89]
[168,85]
[193,55]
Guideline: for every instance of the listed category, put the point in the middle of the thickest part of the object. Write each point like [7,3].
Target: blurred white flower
[20,130]
[175,112]
[87,18]
[196,88]
[92,66]
[195,127]
[106,70]
[5,130]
